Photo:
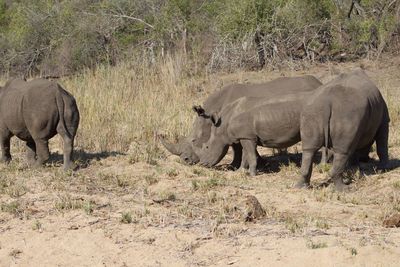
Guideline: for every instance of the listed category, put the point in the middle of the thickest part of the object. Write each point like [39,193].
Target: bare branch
[123,17]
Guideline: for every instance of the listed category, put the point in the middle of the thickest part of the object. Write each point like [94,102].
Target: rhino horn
[172,148]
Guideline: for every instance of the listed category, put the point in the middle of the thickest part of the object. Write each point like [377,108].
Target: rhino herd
[344,116]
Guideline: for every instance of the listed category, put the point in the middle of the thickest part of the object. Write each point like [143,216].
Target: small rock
[15,253]
[253,209]
[392,221]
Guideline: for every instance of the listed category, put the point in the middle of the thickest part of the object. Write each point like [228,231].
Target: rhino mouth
[208,161]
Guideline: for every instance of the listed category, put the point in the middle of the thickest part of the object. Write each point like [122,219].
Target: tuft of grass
[14,207]
[207,184]
[324,194]
[13,188]
[199,171]
[293,225]
[323,167]
[172,173]
[321,224]
[66,202]
[353,251]
[37,225]
[151,179]
[166,195]
[126,217]
[316,245]
[88,207]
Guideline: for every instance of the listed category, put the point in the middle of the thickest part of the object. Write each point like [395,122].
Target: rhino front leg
[306,169]
[250,155]
[381,138]
[339,164]
[42,151]
[30,152]
[5,147]
[237,156]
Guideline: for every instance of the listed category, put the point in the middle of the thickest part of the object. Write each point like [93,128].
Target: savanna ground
[133,204]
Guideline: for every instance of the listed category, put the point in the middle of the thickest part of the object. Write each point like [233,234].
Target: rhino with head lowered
[189,147]
[270,122]
[35,111]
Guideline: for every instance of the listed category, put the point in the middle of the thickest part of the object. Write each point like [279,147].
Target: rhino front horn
[172,148]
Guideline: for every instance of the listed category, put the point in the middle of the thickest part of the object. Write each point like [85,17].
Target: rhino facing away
[188,147]
[346,115]
[269,122]
[35,111]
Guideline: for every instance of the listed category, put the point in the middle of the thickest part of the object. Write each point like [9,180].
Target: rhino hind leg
[31,152]
[68,153]
[250,155]
[5,147]
[381,139]
[306,169]
[42,151]
[339,164]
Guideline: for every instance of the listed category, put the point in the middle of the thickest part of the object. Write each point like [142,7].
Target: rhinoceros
[187,146]
[271,122]
[35,111]
[346,115]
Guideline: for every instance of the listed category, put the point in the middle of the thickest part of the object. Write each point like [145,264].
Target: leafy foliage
[60,37]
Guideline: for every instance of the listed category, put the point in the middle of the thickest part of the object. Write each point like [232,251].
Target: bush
[55,38]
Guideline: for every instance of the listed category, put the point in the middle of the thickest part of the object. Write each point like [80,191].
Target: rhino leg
[339,164]
[5,147]
[68,153]
[381,138]
[237,156]
[42,151]
[30,152]
[250,155]
[306,169]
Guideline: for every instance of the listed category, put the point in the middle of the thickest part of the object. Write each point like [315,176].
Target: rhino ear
[215,119]
[199,110]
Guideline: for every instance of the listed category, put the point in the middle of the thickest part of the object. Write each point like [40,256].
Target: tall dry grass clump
[124,107]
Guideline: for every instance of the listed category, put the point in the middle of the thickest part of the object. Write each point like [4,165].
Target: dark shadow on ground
[273,164]
[83,158]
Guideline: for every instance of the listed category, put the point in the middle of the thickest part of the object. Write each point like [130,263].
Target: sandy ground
[116,212]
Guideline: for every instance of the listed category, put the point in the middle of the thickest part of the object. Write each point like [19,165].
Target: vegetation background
[58,37]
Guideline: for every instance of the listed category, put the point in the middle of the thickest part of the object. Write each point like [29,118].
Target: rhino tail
[61,127]
[327,119]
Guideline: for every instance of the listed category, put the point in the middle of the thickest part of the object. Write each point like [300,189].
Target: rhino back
[278,87]
[350,106]
[271,123]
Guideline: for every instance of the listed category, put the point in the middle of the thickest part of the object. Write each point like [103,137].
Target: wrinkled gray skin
[270,122]
[187,147]
[35,111]
[347,115]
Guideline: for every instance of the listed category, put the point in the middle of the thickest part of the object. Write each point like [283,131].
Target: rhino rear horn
[172,148]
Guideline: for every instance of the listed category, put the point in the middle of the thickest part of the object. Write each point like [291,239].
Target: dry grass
[124,107]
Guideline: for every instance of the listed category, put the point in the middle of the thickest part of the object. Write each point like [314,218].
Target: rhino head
[182,148]
[217,146]
[189,147]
